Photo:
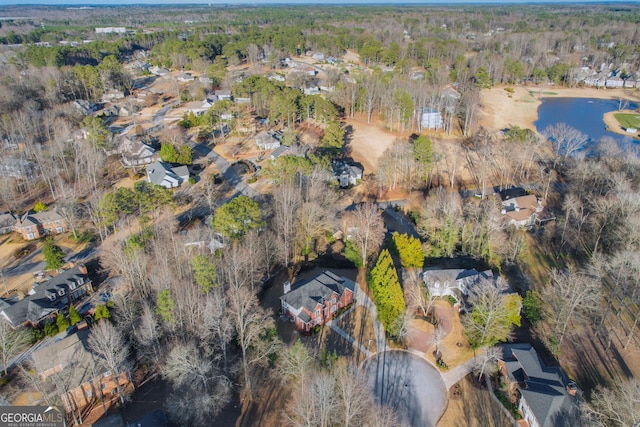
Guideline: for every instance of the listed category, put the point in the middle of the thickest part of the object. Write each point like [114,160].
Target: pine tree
[102,312]
[74,317]
[387,292]
[62,322]
[409,249]
[53,255]
[165,306]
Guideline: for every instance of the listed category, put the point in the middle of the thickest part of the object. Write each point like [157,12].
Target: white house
[164,174]
[267,141]
[109,30]
[614,81]
[223,94]
[453,282]
[431,118]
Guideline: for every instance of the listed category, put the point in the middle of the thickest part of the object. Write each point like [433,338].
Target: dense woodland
[196,318]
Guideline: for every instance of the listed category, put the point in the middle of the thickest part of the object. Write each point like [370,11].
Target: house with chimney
[47,298]
[317,300]
[548,398]
[34,225]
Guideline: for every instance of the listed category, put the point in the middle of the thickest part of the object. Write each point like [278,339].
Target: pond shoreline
[614,126]
[500,109]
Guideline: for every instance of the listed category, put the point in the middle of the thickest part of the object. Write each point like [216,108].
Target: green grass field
[627,120]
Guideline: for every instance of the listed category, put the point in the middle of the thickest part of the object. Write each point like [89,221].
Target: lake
[584,114]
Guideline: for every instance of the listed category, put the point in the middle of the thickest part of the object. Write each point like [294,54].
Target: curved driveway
[409,385]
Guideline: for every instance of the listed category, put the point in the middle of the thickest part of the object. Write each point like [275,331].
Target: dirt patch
[27,398]
[471,406]
[368,143]
[351,56]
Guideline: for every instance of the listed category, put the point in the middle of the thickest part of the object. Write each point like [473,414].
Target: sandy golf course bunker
[409,385]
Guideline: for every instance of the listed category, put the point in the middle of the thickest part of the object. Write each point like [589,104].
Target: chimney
[83,269]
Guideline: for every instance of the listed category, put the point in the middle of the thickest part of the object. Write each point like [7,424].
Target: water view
[584,114]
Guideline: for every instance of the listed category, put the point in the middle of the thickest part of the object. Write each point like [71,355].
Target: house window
[61,292]
[333,301]
[317,313]
[59,229]
[31,236]
[333,309]
[28,229]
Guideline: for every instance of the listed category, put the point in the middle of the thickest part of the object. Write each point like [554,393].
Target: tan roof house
[525,211]
[71,360]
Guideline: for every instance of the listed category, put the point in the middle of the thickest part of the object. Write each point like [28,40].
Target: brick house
[317,300]
[35,225]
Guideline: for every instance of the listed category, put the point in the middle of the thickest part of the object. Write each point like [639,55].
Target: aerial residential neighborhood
[339,215]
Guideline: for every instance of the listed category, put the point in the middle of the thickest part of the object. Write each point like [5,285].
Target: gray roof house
[136,153]
[48,297]
[7,221]
[267,141]
[164,174]
[223,94]
[315,301]
[458,283]
[547,397]
[346,173]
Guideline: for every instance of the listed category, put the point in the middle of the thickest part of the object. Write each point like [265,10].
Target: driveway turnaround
[409,385]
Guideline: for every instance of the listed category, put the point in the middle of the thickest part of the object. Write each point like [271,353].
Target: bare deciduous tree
[11,342]
[366,228]
[252,325]
[570,296]
[566,140]
[109,345]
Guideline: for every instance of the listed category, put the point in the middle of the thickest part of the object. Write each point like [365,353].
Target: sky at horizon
[288,2]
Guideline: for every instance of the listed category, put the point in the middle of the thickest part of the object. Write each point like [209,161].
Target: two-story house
[35,225]
[48,298]
[547,397]
[454,282]
[525,211]
[315,301]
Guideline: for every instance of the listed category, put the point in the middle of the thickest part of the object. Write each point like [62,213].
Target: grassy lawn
[627,120]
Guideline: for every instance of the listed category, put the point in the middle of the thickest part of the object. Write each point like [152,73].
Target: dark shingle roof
[545,391]
[38,305]
[316,290]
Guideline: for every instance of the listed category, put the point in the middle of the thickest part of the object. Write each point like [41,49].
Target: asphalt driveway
[409,385]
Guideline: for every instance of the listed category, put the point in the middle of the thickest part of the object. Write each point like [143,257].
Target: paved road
[409,385]
[228,173]
[28,265]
